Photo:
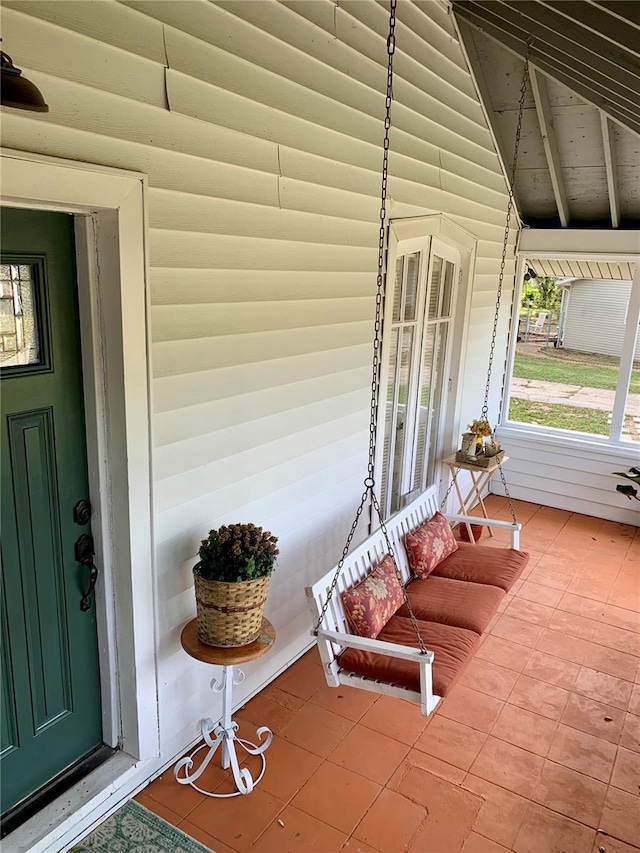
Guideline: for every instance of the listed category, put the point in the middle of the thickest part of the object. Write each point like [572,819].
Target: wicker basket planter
[480,461]
[229,614]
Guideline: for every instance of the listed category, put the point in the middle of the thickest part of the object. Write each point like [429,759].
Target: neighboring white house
[594,316]
[222,160]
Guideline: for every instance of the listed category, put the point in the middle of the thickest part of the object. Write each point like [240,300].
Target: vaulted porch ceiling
[579,162]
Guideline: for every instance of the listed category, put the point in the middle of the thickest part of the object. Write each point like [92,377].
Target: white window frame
[404,236]
[414,245]
[605,246]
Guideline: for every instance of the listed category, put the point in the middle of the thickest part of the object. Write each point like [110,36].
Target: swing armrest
[514,527]
[376,646]
[478,519]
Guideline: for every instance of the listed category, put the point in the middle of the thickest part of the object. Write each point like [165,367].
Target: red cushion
[370,604]
[458,603]
[453,649]
[482,564]
[429,544]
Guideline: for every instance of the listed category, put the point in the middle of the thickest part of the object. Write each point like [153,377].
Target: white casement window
[422,289]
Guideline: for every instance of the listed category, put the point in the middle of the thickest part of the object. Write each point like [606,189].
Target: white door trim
[110,208]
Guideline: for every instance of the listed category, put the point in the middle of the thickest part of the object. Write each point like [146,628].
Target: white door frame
[110,211]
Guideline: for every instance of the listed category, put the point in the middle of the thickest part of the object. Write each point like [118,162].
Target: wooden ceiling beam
[575,51]
[611,166]
[560,63]
[547,129]
[599,22]
[570,37]
[621,9]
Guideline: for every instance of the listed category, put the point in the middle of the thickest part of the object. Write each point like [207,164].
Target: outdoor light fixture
[17,91]
[530,274]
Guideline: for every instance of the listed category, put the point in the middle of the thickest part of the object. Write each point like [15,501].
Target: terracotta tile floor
[536,750]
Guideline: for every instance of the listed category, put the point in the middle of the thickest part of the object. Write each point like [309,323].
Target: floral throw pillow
[429,545]
[370,604]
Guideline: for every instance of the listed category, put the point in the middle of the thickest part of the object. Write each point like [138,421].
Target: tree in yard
[545,293]
[549,292]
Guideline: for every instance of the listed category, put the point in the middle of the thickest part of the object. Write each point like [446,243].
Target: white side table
[223,733]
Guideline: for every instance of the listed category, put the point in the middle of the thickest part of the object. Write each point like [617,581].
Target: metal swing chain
[505,245]
[369,482]
[407,603]
[505,242]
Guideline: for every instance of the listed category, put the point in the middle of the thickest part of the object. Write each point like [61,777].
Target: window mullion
[419,345]
[412,408]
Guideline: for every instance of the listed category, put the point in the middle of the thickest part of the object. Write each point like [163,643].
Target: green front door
[51,709]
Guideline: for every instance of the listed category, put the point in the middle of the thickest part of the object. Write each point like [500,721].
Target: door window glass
[19,322]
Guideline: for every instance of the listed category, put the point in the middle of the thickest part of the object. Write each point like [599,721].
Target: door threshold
[57,786]
[73,814]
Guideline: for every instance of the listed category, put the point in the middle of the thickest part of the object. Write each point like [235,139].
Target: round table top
[225,656]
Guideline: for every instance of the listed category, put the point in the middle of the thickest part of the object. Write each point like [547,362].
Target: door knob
[84,554]
[82,512]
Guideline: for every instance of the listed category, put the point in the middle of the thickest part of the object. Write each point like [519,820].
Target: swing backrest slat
[364,557]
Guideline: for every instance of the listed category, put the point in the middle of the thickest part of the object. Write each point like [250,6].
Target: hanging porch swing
[402,614]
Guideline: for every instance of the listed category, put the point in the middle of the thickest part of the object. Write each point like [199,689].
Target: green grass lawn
[557,368]
[561,417]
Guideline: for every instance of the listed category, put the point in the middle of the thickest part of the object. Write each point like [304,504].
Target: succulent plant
[237,552]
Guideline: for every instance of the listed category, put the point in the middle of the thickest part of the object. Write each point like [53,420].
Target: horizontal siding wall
[596,317]
[259,127]
[577,477]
